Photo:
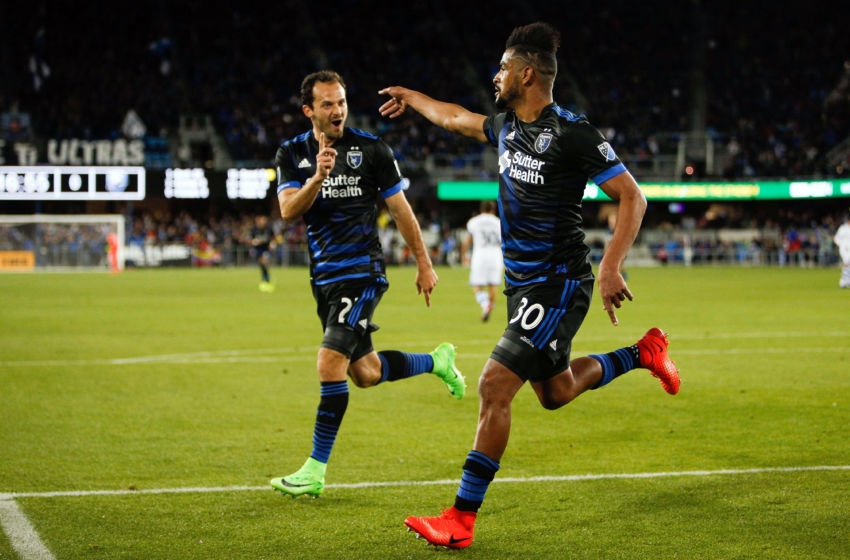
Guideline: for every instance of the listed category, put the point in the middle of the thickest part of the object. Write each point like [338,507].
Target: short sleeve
[388,177]
[593,154]
[287,174]
[493,126]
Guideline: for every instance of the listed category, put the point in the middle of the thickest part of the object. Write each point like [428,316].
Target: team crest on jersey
[542,142]
[354,158]
[607,151]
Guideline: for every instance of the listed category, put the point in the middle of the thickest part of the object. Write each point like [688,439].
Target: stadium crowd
[730,234]
[776,101]
[735,234]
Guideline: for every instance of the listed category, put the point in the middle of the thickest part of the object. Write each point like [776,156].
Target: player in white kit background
[842,240]
[485,265]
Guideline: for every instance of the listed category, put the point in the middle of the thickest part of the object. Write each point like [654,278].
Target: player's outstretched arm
[632,204]
[402,213]
[450,116]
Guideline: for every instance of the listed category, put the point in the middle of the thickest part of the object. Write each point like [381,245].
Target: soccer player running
[485,264]
[332,176]
[546,155]
[262,242]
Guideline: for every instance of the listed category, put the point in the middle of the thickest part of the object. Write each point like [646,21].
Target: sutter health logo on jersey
[522,167]
[341,186]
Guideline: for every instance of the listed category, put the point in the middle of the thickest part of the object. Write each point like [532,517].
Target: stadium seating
[243,67]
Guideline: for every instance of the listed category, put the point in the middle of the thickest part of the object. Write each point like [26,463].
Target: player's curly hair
[324,76]
[537,44]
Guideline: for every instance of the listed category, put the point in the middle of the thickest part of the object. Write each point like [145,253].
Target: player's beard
[332,132]
[507,95]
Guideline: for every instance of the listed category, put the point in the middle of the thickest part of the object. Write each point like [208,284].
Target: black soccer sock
[265,272]
[478,472]
[332,407]
[397,365]
[617,363]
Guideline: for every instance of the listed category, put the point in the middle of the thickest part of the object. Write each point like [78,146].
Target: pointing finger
[321,142]
[611,315]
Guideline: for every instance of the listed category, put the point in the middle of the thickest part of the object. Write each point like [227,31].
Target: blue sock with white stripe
[478,473]
[617,363]
[397,365]
[332,407]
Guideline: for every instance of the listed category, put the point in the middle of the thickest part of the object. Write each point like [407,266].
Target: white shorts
[486,268]
[844,251]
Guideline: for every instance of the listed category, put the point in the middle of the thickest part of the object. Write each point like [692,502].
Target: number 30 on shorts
[528,318]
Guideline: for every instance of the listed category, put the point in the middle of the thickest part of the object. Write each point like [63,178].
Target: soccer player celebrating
[485,264]
[546,155]
[332,175]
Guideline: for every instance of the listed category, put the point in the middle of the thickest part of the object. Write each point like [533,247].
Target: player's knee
[557,393]
[331,365]
[364,376]
[554,402]
[491,392]
[361,381]
[365,370]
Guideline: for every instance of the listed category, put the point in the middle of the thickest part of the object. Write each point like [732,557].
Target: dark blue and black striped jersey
[261,237]
[342,231]
[543,170]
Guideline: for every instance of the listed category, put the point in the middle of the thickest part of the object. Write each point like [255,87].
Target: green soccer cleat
[309,479]
[266,287]
[444,368]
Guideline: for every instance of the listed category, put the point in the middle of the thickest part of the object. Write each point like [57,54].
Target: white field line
[22,535]
[272,355]
[29,546]
[396,483]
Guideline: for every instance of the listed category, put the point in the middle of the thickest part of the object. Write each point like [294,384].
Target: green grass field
[193,379]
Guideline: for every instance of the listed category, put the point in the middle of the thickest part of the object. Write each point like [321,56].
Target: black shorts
[345,309]
[543,319]
[260,251]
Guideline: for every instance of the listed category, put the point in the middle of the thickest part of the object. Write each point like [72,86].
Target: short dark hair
[324,76]
[488,206]
[537,43]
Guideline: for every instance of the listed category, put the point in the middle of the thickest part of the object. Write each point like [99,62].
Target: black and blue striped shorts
[345,309]
[543,320]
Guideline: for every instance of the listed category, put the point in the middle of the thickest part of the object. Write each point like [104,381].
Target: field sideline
[144,413]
